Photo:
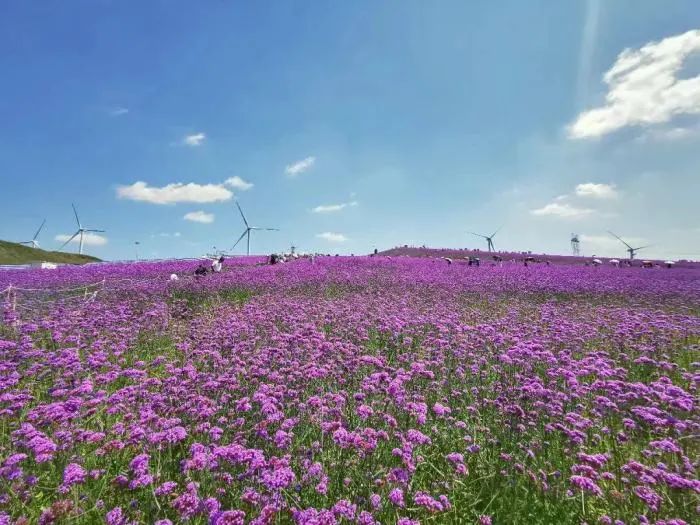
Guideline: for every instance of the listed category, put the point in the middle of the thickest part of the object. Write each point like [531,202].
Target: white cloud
[330,208]
[643,88]
[564,210]
[301,166]
[118,112]
[195,139]
[89,239]
[199,216]
[174,193]
[238,183]
[166,234]
[332,237]
[596,191]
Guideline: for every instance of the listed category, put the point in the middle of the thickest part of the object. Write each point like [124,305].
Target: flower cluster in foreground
[351,390]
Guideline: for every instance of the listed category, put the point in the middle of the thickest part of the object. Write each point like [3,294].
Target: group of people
[215,267]
[276,258]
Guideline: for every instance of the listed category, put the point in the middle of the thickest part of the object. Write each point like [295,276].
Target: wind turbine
[34,243]
[248,230]
[630,250]
[489,238]
[80,232]
[575,244]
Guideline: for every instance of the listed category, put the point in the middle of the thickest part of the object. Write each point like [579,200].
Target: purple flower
[73,474]
[228,517]
[166,488]
[441,410]
[425,500]
[649,497]
[396,497]
[586,484]
[116,517]
[345,509]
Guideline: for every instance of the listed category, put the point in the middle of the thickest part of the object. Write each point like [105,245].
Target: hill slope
[13,253]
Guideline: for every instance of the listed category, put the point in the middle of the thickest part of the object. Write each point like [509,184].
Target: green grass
[13,253]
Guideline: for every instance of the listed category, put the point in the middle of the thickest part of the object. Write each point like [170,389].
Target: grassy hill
[13,253]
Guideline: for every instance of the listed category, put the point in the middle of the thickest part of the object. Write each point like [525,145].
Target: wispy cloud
[199,216]
[195,139]
[89,239]
[330,208]
[118,111]
[299,167]
[238,183]
[174,193]
[564,210]
[597,191]
[644,88]
[670,134]
[332,237]
[166,235]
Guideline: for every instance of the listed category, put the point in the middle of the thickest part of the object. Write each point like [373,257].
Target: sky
[351,126]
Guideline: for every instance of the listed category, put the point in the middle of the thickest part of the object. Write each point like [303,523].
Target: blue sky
[358,124]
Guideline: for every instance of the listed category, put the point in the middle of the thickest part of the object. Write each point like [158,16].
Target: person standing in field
[217,264]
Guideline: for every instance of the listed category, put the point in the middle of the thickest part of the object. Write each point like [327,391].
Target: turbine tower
[489,238]
[575,248]
[34,243]
[248,230]
[80,231]
[630,250]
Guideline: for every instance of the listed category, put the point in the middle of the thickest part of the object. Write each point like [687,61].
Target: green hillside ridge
[13,253]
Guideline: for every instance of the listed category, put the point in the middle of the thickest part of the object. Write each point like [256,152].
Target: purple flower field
[352,390]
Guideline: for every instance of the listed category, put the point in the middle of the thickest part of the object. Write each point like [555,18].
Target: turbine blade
[96,231]
[642,247]
[619,239]
[37,232]
[240,210]
[239,239]
[498,230]
[69,240]
[76,215]
[478,235]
